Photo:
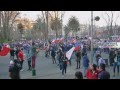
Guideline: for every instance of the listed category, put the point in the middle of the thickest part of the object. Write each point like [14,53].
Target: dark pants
[29,64]
[78,64]
[111,61]
[33,61]
[53,59]
[114,67]
[64,70]
[21,63]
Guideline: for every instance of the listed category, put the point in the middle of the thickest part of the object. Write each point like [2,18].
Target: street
[45,69]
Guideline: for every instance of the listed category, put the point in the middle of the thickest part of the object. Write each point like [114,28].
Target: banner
[112,45]
[69,53]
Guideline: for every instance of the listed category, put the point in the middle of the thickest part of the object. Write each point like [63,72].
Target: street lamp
[97,18]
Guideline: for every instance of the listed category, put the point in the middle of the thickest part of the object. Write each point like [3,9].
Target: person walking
[116,63]
[85,63]
[84,50]
[100,61]
[92,72]
[21,58]
[64,64]
[97,57]
[33,54]
[78,58]
[53,54]
[111,56]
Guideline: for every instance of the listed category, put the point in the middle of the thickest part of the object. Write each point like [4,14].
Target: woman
[64,64]
[92,72]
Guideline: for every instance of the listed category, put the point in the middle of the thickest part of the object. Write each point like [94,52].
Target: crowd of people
[28,50]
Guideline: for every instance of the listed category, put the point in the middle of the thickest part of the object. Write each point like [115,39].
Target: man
[33,54]
[85,63]
[28,57]
[14,69]
[111,57]
[103,74]
[53,54]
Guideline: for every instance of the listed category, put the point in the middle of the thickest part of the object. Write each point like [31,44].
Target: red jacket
[92,75]
[21,55]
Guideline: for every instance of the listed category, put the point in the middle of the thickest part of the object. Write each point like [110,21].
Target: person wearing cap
[78,75]
[14,69]
[92,72]
[103,74]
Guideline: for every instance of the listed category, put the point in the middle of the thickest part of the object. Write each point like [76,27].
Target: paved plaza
[45,69]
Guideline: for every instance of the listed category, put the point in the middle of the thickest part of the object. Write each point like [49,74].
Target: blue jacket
[85,61]
[84,50]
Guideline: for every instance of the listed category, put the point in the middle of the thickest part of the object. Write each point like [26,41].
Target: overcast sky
[84,17]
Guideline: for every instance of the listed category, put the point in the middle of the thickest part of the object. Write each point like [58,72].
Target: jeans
[85,69]
[115,64]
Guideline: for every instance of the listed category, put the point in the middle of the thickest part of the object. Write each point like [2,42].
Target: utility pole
[47,26]
[91,36]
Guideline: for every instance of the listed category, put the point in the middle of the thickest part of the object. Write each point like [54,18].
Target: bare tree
[110,20]
[45,19]
[7,21]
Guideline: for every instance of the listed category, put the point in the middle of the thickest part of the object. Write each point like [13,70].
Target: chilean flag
[4,51]
[77,46]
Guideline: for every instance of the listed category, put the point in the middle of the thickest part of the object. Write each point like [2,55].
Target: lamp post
[92,20]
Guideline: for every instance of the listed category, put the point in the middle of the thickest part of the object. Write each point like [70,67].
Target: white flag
[69,53]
